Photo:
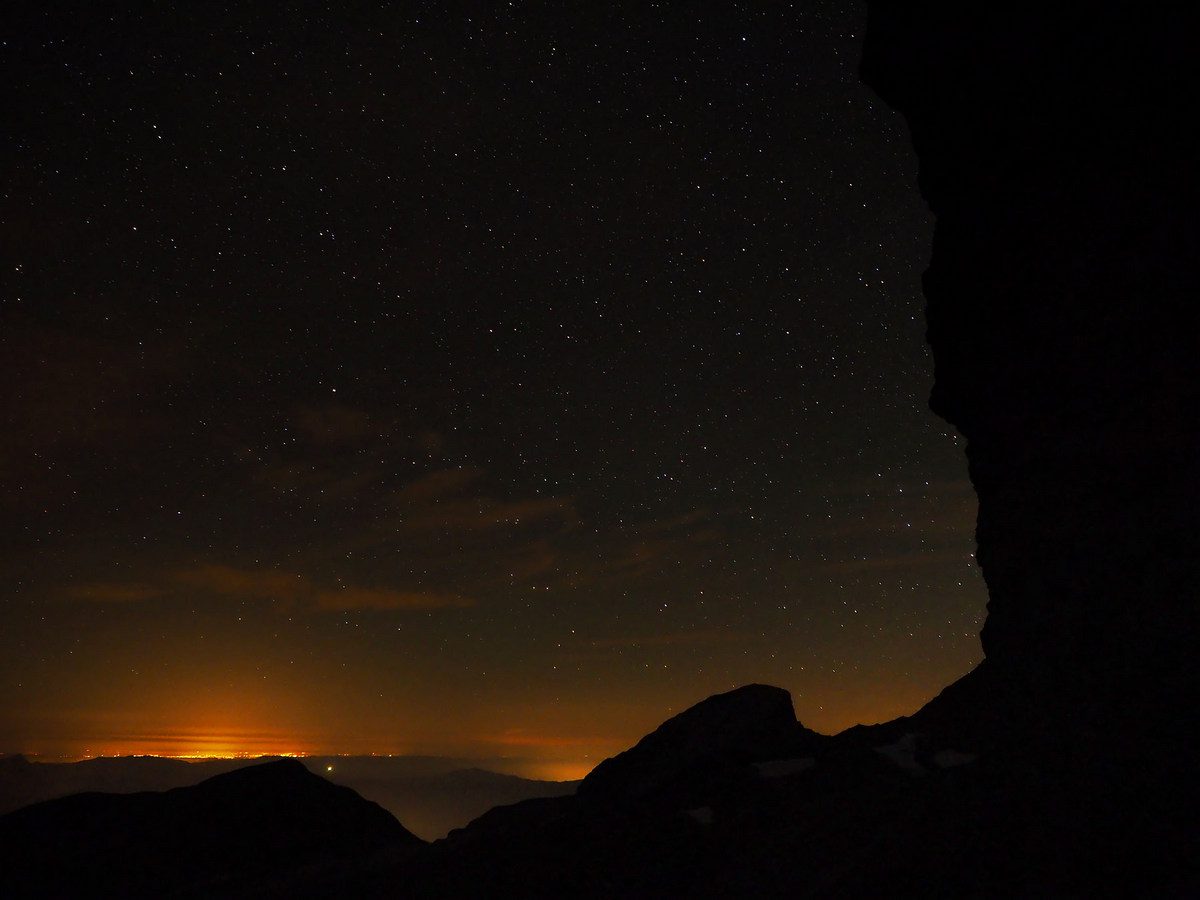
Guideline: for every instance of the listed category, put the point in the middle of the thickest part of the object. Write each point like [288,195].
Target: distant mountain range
[431,795]
[642,823]
[731,798]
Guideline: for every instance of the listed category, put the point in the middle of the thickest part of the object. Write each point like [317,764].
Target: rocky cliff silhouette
[1063,321]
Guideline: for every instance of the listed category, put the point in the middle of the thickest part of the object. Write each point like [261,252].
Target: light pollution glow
[542,754]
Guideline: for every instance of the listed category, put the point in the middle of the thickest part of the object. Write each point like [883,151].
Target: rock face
[1064,323]
[755,723]
[255,831]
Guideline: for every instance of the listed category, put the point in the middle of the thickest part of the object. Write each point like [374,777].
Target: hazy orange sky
[300,691]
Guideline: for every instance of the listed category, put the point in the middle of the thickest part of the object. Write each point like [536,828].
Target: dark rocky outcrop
[707,743]
[1064,326]
[257,831]
[1063,320]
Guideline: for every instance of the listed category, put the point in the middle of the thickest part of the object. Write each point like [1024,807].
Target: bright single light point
[329,768]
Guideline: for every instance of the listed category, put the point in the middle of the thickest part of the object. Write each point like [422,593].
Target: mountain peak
[752,723]
[244,826]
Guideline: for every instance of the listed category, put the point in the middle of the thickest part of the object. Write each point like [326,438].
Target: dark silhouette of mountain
[709,743]
[23,782]
[253,831]
[431,795]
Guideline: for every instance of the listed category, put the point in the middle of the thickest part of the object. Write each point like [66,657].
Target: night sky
[492,382]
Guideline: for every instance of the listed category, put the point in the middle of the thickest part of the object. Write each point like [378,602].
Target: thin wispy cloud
[284,590]
[335,424]
[114,592]
[693,637]
[250,584]
[438,485]
[351,598]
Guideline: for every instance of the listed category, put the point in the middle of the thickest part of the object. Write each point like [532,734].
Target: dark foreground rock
[1064,326]
[708,743]
[252,832]
[893,810]
[731,798]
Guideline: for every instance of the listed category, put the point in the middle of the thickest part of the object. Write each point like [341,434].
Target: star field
[485,383]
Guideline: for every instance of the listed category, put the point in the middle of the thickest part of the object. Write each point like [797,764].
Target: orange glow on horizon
[539,738]
[561,771]
[192,744]
[536,752]
[538,770]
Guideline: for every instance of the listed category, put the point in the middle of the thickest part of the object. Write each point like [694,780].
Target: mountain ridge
[218,837]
